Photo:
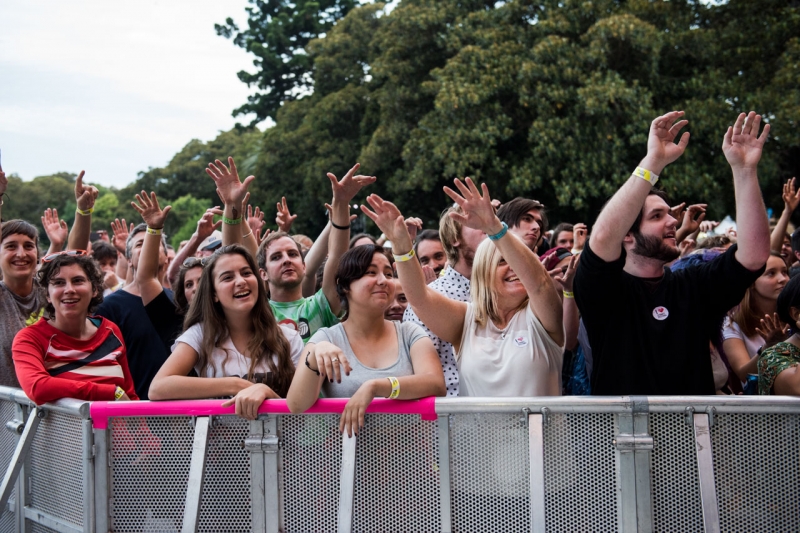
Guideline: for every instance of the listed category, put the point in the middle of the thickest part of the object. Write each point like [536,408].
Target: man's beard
[652,247]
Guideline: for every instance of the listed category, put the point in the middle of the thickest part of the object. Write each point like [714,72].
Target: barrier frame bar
[443,423]
[101,479]
[705,470]
[20,455]
[536,451]
[347,480]
[197,468]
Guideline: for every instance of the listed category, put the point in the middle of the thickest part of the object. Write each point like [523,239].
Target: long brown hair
[267,337]
[746,315]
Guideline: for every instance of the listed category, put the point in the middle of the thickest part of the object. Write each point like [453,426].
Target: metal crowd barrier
[446,465]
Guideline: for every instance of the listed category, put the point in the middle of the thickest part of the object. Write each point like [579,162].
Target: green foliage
[182,219]
[28,199]
[550,100]
[277,34]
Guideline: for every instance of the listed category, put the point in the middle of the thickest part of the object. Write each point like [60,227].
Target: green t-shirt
[306,316]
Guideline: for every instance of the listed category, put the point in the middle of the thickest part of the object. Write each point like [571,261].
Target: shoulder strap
[109,345]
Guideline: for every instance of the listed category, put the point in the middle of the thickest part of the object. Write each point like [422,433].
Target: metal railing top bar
[102,411]
[67,406]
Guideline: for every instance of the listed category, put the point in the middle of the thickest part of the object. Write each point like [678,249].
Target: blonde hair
[482,285]
[450,233]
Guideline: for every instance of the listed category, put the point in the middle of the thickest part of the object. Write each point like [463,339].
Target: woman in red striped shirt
[69,353]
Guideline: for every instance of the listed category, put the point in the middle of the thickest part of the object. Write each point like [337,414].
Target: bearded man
[649,327]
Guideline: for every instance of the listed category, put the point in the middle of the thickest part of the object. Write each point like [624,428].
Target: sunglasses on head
[193,262]
[50,257]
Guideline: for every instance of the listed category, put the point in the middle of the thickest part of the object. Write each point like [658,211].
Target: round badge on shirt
[520,341]
[660,313]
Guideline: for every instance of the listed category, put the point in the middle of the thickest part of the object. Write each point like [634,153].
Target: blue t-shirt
[146,350]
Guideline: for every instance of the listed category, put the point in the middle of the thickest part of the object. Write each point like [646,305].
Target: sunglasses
[50,257]
[192,262]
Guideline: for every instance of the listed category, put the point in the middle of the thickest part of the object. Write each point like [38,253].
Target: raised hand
[414,225]
[742,145]
[229,188]
[707,226]
[567,277]
[284,218]
[580,232]
[121,232]
[55,229]
[206,224]
[255,219]
[772,330]
[151,212]
[791,196]
[329,208]
[85,195]
[478,212]
[692,219]
[346,189]
[389,220]
[661,147]
[676,212]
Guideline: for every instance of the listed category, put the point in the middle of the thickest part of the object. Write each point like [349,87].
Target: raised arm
[621,211]
[314,258]
[121,231]
[232,192]
[85,195]
[205,227]
[791,198]
[147,270]
[478,213]
[742,147]
[443,316]
[343,192]
[55,229]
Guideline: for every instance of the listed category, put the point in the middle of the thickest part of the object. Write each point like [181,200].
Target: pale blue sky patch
[114,87]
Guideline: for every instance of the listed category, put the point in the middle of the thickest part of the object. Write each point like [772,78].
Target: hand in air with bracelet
[476,206]
[230,189]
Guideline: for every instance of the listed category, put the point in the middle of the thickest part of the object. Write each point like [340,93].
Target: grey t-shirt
[17,312]
[407,335]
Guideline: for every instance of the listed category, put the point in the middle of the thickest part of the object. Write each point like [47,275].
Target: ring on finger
[335,359]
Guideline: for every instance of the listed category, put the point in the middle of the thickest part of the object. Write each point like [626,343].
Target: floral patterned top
[773,361]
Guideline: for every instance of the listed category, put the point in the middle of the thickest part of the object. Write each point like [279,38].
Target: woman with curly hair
[69,353]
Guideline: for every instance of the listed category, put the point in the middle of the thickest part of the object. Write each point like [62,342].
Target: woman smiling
[69,353]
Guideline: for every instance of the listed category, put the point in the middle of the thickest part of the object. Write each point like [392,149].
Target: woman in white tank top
[509,339]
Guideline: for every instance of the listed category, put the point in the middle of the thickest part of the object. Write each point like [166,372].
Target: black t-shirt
[165,319]
[651,337]
[146,351]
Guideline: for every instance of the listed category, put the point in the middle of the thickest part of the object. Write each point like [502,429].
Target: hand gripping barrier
[457,465]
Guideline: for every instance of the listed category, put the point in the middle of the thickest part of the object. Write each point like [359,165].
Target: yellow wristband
[395,388]
[405,257]
[154,231]
[119,393]
[646,175]
[568,294]
[84,212]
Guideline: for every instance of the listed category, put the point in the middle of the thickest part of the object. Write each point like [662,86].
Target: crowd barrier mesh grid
[489,466]
[225,504]
[310,464]
[149,464]
[675,482]
[397,475]
[756,471]
[39,528]
[579,471]
[8,442]
[56,475]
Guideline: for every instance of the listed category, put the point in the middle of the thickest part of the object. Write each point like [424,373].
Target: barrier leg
[633,448]
[101,479]
[536,450]
[18,459]
[705,469]
[88,476]
[197,468]
[347,480]
[270,454]
[443,423]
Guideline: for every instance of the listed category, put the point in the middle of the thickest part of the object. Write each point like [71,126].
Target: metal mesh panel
[756,470]
[397,475]
[675,482]
[490,473]
[8,441]
[39,528]
[225,504]
[149,471]
[579,469]
[56,459]
[310,463]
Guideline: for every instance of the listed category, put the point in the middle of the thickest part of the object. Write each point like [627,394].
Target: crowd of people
[649,299]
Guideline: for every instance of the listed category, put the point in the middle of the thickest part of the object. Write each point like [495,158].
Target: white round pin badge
[660,313]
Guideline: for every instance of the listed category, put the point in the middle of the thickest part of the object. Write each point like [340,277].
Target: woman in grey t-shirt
[366,356]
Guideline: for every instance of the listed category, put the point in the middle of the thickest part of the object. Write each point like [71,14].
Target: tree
[277,33]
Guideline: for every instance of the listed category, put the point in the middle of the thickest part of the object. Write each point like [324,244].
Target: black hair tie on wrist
[338,226]
[309,366]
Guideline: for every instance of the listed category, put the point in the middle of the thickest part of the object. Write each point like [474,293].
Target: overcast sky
[114,87]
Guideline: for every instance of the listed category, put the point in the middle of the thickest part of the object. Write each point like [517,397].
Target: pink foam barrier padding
[102,411]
